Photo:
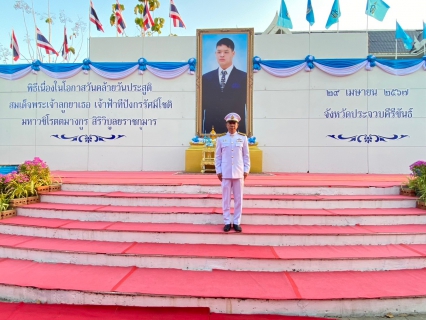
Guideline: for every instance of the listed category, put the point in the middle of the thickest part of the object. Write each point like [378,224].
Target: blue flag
[376,9]
[424,30]
[401,34]
[334,14]
[284,17]
[310,14]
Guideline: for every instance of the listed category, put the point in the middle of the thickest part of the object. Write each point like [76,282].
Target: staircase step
[214,188]
[209,257]
[212,234]
[309,293]
[206,215]
[325,245]
[214,200]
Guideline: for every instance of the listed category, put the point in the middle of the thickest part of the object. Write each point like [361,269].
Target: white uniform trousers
[236,186]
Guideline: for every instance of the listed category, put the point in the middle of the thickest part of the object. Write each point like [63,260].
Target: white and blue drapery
[338,67]
[170,70]
[108,70]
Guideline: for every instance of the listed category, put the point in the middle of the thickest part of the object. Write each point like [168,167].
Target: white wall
[289,113]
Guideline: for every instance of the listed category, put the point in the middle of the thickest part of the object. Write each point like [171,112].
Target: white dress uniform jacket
[232,156]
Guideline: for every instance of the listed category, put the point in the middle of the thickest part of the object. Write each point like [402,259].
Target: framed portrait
[224,79]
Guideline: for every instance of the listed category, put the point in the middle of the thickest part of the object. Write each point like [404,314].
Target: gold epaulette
[221,135]
[241,134]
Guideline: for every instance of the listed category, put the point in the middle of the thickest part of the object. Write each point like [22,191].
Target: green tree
[158,22]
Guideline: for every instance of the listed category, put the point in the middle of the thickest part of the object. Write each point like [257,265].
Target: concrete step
[263,235]
[214,200]
[303,293]
[209,257]
[206,215]
[248,189]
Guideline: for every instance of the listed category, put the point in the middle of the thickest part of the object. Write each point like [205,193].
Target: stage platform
[312,245]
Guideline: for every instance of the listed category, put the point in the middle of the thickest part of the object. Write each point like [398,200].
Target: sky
[197,14]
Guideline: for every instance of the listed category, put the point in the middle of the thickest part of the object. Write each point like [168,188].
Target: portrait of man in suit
[224,80]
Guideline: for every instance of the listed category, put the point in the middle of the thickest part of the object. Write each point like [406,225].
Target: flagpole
[11,41]
[88,40]
[143,19]
[35,30]
[367,23]
[50,27]
[170,19]
[309,38]
[116,19]
[368,38]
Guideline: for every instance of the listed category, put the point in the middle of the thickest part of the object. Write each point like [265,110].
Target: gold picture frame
[215,97]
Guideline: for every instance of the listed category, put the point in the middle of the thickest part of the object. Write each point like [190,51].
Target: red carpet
[215,250]
[214,229]
[216,316]
[273,179]
[130,195]
[206,284]
[215,283]
[93,208]
[23,311]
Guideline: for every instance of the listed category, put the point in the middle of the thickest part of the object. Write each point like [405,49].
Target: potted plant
[39,174]
[407,191]
[416,180]
[17,189]
[2,183]
[421,203]
[56,185]
[32,192]
[4,205]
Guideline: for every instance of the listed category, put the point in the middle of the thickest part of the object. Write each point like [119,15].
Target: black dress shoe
[227,227]
[237,228]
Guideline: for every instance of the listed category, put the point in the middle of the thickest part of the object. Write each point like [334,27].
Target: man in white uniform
[232,162]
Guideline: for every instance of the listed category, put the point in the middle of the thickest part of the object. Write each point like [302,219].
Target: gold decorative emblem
[335,14]
[373,8]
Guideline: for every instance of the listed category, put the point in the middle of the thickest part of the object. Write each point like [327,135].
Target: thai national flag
[121,25]
[65,49]
[43,43]
[14,46]
[148,22]
[174,14]
[94,17]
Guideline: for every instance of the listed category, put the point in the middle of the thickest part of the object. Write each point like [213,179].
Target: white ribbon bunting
[168,74]
[114,75]
[61,75]
[17,75]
